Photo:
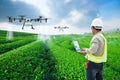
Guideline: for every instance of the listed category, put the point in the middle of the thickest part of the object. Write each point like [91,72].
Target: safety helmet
[97,23]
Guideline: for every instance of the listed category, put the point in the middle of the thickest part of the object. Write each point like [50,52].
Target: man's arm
[93,48]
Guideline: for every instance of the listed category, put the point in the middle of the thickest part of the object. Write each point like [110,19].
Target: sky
[76,14]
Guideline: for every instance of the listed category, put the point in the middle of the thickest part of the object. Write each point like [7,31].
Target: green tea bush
[70,65]
[10,46]
[22,63]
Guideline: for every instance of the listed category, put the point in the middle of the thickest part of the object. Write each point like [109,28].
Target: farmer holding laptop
[96,54]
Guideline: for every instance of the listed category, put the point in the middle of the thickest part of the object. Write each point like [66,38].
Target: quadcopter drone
[22,18]
[61,28]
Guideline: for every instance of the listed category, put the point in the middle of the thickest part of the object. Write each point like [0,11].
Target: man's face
[93,30]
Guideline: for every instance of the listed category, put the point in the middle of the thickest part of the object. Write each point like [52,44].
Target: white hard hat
[97,23]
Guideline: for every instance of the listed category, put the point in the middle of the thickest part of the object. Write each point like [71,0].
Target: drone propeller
[46,19]
[40,17]
[9,18]
[21,18]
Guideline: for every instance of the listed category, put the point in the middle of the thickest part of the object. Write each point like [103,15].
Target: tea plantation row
[22,63]
[18,39]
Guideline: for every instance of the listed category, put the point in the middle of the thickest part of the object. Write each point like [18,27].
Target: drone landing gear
[31,28]
[22,28]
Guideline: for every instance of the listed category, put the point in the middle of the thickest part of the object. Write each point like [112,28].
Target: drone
[61,28]
[22,18]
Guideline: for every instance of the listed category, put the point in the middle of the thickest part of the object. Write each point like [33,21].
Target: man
[96,55]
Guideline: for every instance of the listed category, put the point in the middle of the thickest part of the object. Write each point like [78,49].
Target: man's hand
[83,51]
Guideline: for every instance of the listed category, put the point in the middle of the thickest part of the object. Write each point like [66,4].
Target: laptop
[76,45]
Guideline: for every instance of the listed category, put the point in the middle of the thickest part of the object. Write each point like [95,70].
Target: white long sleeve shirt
[96,45]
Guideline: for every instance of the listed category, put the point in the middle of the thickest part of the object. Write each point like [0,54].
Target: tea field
[26,58]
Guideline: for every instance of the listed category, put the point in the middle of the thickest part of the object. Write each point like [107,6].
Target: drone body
[22,18]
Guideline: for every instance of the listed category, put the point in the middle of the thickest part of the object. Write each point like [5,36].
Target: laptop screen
[76,45]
